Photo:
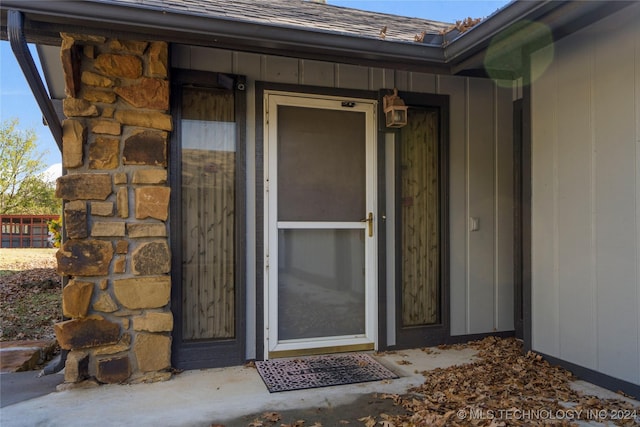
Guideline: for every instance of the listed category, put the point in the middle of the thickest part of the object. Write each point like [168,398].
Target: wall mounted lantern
[395,111]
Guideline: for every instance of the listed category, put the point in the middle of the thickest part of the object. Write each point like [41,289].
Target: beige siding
[420,82]
[316,73]
[586,219]
[351,77]
[481,205]
[277,69]
[481,186]
[480,177]
[458,214]
[574,207]
[544,232]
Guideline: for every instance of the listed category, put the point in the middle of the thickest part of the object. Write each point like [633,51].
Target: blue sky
[16,100]
[437,10]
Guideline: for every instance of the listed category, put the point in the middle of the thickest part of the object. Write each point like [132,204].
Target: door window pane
[420,218]
[321,287]
[321,164]
[208,214]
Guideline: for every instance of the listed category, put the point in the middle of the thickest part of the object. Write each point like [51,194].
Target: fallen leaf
[386,421]
[30,299]
[272,416]
[368,421]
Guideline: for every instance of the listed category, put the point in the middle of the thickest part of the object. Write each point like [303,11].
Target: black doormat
[321,371]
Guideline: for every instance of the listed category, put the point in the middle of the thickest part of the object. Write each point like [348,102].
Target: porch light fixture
[395,111]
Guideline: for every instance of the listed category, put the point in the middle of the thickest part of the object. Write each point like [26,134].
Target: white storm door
[320,225]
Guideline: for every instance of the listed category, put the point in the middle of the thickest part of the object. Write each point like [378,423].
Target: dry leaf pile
[503,388]
[30,303]
[462,26]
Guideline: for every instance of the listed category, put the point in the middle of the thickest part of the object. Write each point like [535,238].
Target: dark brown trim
[208,353]
[526,208]
[15,34]
[382,238]
[259,185]
[420,336]
[518,303]
[261,87]
[461,339]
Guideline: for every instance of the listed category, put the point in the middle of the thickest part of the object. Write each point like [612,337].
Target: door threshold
[323,350]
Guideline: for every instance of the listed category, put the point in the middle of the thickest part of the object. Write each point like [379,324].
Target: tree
[23,187]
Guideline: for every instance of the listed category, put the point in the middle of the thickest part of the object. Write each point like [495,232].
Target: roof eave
[463,55]
[479,36]
[560,17]
[110,18]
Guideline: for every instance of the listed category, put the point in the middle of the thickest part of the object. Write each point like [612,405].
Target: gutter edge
[503,18]
[249,33]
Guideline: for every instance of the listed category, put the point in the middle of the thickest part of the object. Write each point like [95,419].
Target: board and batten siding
[481,171]
[586,199]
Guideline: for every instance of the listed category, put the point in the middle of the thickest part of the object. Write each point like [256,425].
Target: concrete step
[18,356]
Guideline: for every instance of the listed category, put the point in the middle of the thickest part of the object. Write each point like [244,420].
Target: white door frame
[272,99]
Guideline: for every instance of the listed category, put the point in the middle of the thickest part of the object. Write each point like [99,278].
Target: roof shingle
[299,14]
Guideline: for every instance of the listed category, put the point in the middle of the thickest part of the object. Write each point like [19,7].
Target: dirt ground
[30,294]
[356,414]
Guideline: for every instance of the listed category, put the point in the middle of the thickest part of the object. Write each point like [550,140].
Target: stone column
[117,255]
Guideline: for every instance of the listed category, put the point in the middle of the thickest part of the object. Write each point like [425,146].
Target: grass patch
[6,272]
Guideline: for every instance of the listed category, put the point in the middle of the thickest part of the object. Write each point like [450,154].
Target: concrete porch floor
[221,396]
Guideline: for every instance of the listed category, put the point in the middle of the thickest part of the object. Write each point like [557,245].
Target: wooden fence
[25,231]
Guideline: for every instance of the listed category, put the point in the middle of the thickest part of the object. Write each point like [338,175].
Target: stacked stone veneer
[116,256]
